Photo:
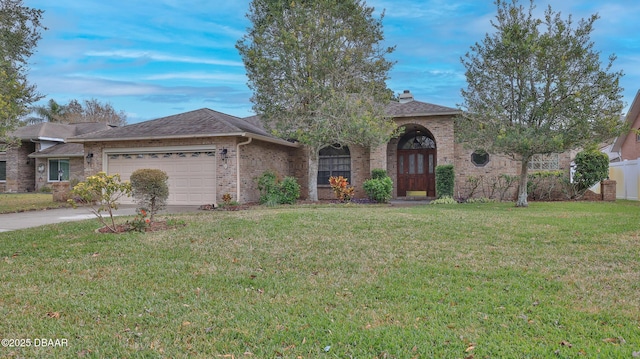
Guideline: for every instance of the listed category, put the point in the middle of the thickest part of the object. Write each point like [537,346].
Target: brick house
[627,146]
[208,154]
[43,158]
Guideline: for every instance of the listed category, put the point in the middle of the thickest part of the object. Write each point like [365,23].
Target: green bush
[101,193]
[273,191]
[444,181]
[444,200]
[379,173]
[289,190]
[592,166]
[546,185]
[379,188]
[150,189]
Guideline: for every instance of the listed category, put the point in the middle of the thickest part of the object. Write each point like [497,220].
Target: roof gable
[418,108]
[631,120]
[198,123]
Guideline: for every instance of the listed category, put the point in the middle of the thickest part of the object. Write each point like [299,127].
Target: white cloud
[200,76]
[154,56]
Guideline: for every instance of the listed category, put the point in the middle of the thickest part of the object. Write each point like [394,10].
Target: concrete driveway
[13,221]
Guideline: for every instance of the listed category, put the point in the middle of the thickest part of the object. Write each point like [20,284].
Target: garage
[192,172]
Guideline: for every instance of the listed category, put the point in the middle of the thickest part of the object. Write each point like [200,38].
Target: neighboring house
[43,157]
[627,146]
[624,167]
[208,154]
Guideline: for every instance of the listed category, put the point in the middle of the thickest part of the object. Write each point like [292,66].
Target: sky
[156,58]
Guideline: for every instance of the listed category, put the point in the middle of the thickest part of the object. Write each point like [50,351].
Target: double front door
[416,171]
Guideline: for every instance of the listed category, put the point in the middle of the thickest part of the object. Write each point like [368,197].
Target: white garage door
[192,174]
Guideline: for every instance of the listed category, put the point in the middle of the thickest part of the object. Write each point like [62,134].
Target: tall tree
[94,111]
[537,87]
[318,72]
[20,29]
[51,112]
[75,112]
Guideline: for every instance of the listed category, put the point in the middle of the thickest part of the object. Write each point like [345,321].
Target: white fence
[627,177]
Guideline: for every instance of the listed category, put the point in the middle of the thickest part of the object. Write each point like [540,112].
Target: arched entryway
[416,163]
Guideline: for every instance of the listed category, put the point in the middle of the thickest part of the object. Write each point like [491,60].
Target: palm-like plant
[51,112]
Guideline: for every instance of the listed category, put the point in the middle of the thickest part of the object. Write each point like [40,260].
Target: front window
[3,171]
[58,170]
[334,161]
[479,158]
[540,162]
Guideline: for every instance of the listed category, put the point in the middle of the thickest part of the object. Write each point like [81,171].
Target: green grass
[20,202]
[555,280]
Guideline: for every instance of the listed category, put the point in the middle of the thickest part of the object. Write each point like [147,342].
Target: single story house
[43,157]
[208,154]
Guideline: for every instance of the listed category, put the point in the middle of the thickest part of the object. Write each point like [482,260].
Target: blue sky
[155,58]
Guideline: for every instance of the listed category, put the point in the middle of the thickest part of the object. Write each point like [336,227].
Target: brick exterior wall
[20,169]
[41,180]
[630,149]
[256,157]
[360,172]
[497,165]
[441,127]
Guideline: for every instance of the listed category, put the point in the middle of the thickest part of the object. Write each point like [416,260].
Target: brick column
[60,191]
[608,190]
[378,157]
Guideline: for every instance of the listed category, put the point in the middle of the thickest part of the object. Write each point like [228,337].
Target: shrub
[480,200]
[444,181]
[379,173]
[546,185]
[444,200]
[592,166]
[340,186]
[379,187]
[140,222]
[273,191]
[101,192]
[150,189]
[289,190]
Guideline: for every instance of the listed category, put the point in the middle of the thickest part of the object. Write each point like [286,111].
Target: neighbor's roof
[61,150]
[199,123]
[59,131]
[632,115]
[418,108]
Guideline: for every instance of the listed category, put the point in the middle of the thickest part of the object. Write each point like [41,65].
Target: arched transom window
[416,139]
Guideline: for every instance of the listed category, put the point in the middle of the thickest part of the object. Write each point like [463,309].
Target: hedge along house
[208,154]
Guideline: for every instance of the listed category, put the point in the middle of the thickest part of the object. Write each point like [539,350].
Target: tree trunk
[522,189]
[313,173]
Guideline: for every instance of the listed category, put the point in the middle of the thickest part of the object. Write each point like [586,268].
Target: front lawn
[556,280]
[20,202]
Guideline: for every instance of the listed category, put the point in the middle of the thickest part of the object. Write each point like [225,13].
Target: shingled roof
[418,108]
[61,150]
[198,123]
[58,131]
